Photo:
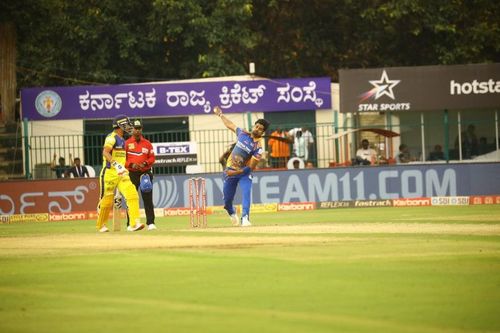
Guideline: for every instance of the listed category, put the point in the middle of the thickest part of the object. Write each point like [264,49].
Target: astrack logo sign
[381,87]
[474,87]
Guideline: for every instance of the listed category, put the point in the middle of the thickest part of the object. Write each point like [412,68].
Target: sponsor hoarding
[484,200]
[334,204]
[330,188]
[61,217]
[372,203]
[420,88]
[175,153]
[294,206]
[49,196]
[411,202]
[450,201]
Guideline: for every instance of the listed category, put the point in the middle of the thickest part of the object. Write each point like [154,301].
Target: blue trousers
[229,190]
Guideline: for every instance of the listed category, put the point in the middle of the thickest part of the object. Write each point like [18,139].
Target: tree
[109,41]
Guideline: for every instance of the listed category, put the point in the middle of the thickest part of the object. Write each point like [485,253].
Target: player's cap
[145,184]
[137,123]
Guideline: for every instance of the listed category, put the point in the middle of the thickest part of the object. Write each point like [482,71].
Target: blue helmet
[122,121]
[145,184]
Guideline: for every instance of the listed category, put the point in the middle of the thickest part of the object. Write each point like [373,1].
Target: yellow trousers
[109,181]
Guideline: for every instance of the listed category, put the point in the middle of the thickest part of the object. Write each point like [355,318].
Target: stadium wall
[314,188]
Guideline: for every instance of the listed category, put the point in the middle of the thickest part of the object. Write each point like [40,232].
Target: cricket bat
[117,205]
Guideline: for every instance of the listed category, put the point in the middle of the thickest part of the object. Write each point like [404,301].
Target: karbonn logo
[475,87]
[411,202]
[296,206]
[176,211]
[67,217]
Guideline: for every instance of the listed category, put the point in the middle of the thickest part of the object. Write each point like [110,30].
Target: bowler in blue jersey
[239,166]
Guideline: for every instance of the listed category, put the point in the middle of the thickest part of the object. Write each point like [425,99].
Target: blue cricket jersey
[244,150]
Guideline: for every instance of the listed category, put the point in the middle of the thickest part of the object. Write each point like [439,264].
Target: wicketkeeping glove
[120,169]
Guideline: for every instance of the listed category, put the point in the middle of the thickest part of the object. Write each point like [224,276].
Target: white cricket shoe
[234,219]
[152,226]
[104,229]
[138,226]
[245,222]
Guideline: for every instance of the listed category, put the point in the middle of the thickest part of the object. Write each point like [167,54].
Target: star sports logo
[380,88]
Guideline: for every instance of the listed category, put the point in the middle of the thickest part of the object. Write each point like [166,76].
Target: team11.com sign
[175,153]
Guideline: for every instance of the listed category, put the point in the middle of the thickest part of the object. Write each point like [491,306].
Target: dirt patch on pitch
[371,228]
[112,242]
[230,237]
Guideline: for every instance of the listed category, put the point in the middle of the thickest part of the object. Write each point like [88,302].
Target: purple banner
[175,99]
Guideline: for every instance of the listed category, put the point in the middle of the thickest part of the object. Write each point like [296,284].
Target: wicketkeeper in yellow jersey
[114,175]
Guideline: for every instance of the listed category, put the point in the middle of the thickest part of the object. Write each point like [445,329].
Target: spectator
[78,170]
[263,161]
[469,142]
[365,155]
[437,154]
[60,169]
[483,146]
[403,155]
[295,163]
[140,160]
[279,148]
[302,142]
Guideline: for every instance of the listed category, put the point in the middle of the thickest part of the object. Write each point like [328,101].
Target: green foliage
[89,41]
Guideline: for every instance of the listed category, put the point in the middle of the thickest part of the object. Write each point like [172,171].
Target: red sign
[54,196]
[485,200]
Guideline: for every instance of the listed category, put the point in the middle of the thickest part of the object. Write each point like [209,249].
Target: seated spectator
[295,163]
[437,154]
[78,170]
[60,169]
[404,154]
[365,155]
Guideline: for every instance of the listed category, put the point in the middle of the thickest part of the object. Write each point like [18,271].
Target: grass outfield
[432,269]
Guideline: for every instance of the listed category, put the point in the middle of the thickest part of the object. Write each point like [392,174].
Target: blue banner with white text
[343,184]
[175,99]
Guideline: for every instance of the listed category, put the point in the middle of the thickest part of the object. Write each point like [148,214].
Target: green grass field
[433,269]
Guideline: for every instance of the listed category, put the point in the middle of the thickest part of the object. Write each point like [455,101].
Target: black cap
[137,123]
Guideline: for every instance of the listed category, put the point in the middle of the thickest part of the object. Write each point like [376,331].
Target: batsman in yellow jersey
[114,175]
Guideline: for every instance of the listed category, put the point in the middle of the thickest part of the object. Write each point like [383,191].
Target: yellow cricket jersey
[117,145]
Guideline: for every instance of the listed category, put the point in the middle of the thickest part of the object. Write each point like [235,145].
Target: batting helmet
[122,121]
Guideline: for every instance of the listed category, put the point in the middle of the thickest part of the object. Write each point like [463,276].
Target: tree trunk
[7,72]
